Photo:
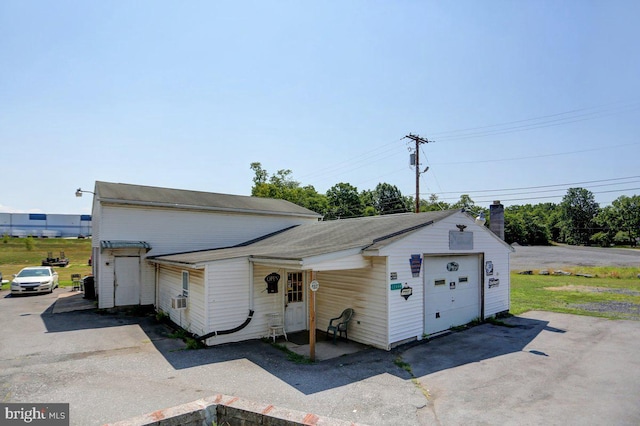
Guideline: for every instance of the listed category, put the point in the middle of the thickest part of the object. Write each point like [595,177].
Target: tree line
[577,219]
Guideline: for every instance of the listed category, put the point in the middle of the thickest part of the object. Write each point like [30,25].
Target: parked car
[34,279]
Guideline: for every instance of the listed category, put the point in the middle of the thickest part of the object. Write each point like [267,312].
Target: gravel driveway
[563,256]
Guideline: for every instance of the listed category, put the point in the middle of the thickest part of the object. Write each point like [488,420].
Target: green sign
[396,286]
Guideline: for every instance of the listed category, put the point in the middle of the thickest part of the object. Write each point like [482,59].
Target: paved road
[549,369]
[555,257]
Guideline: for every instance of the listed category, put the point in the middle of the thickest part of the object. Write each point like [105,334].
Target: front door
[295,313]
[127,281]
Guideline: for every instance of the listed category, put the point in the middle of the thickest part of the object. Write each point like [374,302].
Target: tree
[261,174]
[578,211]
[513,227]
[608,222]
[527,224]
[367,199]
[627,212]
[465,202]
[432,204]
[387,199]
[282,186]
[343,201]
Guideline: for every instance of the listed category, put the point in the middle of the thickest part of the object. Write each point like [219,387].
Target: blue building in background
[42,225]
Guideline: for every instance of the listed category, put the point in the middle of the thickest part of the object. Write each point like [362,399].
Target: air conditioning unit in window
[179,302]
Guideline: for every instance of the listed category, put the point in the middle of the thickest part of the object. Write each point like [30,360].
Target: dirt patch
[624,310]
[587,289]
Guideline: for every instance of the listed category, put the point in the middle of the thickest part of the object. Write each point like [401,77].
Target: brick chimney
[496,219]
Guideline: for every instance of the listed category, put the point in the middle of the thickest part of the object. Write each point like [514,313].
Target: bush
[622,238]
[601,238]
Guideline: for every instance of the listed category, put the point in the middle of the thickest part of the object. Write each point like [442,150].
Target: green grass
[15,255]
[565,293]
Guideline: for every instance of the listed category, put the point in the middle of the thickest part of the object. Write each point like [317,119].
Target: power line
[556,196]
[542,186]
[493,160]
[533,126]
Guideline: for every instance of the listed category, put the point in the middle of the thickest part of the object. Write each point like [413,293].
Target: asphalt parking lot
[549,368]
[561,256]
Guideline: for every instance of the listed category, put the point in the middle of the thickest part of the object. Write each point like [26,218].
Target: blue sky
[524,99]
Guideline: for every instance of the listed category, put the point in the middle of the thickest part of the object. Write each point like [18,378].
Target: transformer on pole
[414,160]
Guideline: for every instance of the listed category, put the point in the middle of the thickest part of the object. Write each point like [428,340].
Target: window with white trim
[185,283]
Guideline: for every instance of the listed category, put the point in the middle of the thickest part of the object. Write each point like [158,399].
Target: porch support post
[312,319]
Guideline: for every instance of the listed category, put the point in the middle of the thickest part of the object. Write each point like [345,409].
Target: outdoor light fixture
[480,219]
[80,191]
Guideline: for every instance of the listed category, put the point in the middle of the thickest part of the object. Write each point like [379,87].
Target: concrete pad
[327,350]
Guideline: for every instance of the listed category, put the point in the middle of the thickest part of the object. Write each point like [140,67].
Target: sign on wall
[460,240]
[406,292]
[416,264]
[488,267]
[272,282]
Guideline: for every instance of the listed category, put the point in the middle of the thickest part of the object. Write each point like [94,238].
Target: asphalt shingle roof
[186,199]
[317,238]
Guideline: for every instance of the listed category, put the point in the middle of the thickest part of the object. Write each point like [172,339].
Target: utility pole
[419,141]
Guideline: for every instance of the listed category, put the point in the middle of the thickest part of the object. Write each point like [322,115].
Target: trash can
[89,287]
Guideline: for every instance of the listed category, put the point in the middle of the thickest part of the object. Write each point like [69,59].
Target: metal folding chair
[76,280]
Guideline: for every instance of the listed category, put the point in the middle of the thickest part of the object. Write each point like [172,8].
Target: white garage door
[452,291]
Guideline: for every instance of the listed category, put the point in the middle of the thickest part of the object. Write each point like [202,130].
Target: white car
[35,279]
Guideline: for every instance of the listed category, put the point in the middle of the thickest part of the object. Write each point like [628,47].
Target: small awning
[120,244]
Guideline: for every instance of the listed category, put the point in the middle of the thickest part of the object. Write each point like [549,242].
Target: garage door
[452,291]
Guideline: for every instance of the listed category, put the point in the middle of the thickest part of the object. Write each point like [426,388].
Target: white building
[132,222]
[406,276]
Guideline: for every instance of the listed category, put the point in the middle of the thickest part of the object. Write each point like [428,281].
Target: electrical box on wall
[179,302]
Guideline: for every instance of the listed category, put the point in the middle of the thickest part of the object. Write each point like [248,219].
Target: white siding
[172,231]
[229,297]
[364,290]
[406,316]
[191,319]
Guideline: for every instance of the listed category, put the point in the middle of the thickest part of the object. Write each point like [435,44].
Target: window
[294,287]
[185,283]
[463,279]
[440,282]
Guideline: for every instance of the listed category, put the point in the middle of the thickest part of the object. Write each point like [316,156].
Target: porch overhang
[337,261]
[270,261]
[176,264]
[123,244]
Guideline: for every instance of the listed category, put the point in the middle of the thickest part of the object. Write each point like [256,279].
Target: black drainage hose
[229,331]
